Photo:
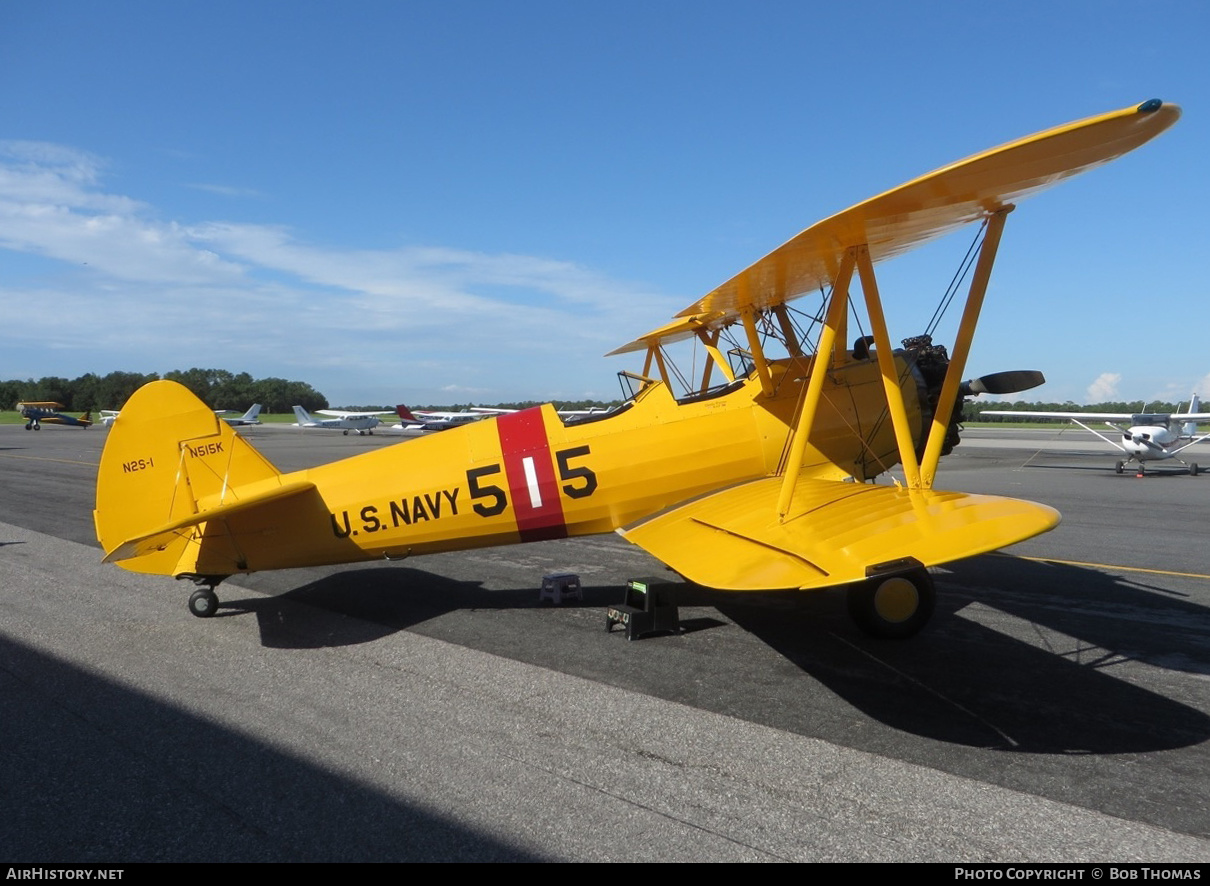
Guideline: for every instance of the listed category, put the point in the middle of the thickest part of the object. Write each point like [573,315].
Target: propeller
[1009,382]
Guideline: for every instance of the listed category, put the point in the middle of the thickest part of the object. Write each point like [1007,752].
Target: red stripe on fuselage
[532,485]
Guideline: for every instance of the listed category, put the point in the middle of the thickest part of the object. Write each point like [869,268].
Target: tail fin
[1189,429]
[251,414]
[169,466]
[304,417]
[404,413]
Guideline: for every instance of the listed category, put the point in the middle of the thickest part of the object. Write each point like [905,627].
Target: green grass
[11,417]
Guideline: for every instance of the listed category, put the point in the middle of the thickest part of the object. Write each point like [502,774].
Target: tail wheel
[893,607]
[203,603]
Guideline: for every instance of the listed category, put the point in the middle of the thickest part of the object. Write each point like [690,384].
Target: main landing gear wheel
[1193,469]
[893,607]
[203,603]
[1119,467]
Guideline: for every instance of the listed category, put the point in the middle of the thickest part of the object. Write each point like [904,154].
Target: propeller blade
[1009,382]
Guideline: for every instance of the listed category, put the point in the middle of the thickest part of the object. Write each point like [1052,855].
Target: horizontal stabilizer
[161,536]
[835,533]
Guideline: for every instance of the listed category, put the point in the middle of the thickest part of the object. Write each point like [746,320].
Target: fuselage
[36,415]
[530,475]
[1150,442]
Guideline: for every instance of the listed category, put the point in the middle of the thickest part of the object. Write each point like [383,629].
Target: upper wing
[925,209]
[835,534]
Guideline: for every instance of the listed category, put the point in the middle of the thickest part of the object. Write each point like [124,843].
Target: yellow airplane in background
[39,412]
[752,477]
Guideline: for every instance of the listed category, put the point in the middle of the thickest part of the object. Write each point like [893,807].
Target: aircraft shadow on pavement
[376,602]
[97,771]
[1131,473]
[1050,690]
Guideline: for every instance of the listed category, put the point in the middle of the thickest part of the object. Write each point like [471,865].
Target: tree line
[217,388]
[973,409]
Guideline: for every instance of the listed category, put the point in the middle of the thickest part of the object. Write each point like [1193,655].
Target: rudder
[169,458]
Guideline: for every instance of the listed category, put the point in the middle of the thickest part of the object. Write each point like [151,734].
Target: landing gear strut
[893,607]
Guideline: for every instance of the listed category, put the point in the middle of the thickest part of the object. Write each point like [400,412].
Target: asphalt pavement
[1056,708]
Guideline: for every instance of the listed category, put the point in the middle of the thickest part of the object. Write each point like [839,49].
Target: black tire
[203,603]
[893,607]
[1118,467]
[1193,469]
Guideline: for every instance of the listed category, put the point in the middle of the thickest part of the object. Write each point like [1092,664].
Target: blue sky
[473,201]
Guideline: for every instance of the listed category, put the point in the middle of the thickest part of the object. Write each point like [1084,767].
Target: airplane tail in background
[404,413]
[1190,428]
[304,417]
[253,413]
[178,490]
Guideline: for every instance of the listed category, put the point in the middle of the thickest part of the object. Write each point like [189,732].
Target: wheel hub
[896,600]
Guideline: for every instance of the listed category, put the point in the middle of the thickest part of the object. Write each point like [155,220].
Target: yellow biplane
[754,477]
[39,412]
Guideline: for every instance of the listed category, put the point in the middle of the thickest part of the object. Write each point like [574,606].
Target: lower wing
[835,533]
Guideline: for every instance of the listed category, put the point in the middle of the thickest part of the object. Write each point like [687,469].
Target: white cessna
[361,422]
[1149,436]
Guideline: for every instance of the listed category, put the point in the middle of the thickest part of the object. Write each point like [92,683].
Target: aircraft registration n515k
[758,481]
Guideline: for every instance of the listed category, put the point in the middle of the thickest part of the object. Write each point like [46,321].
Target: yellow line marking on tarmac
[1112,566]
[65,461]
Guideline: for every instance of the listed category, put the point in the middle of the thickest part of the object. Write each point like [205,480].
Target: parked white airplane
[248,418]
[419,423]
[109,416]
[361,422]
[1150,436]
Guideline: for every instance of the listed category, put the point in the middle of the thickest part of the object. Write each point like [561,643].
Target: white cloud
[1104,388]
[135,291]
[225,190]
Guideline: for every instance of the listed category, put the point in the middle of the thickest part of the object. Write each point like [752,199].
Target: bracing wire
[959,277]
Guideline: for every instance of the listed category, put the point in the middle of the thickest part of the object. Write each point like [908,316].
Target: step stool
[560,586]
